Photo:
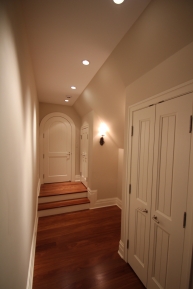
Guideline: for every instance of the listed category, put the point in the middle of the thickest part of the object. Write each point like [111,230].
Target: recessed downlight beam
[73,87]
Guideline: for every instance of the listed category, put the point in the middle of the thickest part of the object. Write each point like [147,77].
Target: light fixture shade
[85,62]
[118,1]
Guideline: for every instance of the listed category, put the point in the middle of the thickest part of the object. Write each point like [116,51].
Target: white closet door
[57,150]
[169,196]
[141,186]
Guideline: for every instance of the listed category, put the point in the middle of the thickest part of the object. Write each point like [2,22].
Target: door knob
[143,210]
[155,219]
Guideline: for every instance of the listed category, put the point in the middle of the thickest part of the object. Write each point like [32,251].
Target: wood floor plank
[79,250]
[61,189]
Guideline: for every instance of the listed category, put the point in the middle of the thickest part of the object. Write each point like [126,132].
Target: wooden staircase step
[61,207]
[66,203]
[61,189]
[62,197]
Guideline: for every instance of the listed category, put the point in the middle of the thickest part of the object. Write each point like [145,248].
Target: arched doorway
[57,148]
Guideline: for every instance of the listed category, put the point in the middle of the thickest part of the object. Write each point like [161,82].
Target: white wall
[18,148]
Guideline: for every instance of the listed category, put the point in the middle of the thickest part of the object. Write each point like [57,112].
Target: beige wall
[46,108]
[154,55]
[18,149]
[163,29]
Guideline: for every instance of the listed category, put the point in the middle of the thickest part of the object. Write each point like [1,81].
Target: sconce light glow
[73,87]
[118,1]
[103,129]
[85,62]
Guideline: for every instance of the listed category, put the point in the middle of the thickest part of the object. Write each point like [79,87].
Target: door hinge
[184,220]
[190,128]
[132,129]
[43,156]
[127,244]
[43,176]
[129,188]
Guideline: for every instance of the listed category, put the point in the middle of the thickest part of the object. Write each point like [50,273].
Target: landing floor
[79,250]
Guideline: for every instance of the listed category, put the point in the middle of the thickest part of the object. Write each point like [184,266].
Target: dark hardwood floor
[79,250]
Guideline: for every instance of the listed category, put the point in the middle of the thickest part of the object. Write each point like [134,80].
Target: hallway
[79,250]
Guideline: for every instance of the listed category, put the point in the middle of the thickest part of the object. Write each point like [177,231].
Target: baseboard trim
[92,196]
[107,203]
[77,178]
[32,256]
[119,203]
[121,249]
[33,245]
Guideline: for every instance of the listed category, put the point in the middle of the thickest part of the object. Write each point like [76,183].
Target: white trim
[77,178]
[174,92]
[92,196]
[119,203]
[42,124]
[121,249]
[38,188]
[177,91]
[32,256]
[62,210]
[107,203]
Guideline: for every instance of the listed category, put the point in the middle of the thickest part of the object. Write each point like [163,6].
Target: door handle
[155,219]
[143,210]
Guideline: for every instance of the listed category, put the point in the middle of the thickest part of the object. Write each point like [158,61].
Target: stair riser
[63,210]
[62,197]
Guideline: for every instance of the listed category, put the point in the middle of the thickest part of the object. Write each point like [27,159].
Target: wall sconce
[102,141]
[102,132]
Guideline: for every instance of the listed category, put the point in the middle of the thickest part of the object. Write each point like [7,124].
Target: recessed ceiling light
[85,62]
[66,100]
[118,1]
[73,87]
[68,96]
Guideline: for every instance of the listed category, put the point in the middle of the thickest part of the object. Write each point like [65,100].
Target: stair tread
[55,189]
[58,204]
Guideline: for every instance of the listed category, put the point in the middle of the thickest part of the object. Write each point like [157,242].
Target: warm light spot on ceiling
[73,87]
[66,100]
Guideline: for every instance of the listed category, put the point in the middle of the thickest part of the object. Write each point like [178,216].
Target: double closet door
[159,183]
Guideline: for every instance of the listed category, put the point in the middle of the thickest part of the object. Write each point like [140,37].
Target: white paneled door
[57,150]
[159,188]
[141,186]
[169,195]
[84,155]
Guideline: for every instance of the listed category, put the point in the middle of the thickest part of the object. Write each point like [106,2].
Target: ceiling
[62,33]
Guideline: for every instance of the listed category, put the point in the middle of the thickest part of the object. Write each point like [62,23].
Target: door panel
[57,150]
[169,194]
[141,186]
